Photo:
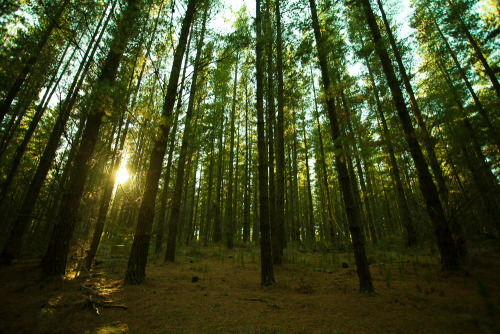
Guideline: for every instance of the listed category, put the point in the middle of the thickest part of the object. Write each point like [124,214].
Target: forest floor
[212,290]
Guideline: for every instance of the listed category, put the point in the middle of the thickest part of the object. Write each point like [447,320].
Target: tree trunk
[295,171]
[217,208]
[442,232]
[404,211]
[187,141]
[479,106]
[428,140]
[230,227]
[358,243]
[160,226]
[209,208]
[271,116]
[279,235]
[324,177]
[266,260]
[479,54]
[40,110]
[136,267]
[255,204]
[246,196]
[311,226]
[190,229]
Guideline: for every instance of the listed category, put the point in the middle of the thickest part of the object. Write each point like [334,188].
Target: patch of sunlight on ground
[111,329]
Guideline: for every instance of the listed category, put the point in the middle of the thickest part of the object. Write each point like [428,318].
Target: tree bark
[267,273]
[311,226]
[279,235]
[230,227]
[246,196]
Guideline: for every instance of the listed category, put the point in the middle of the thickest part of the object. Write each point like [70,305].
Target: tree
[365,280]
[435,210]
[187,142]
[426,137]
[404,211]
[160,225]
[230,226]
[136,266]
[279,234]
[33,58]
[54,261]
[267,272]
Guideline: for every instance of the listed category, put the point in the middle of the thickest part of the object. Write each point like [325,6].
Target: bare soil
[212,290]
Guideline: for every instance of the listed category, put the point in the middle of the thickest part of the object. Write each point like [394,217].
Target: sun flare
[122,175]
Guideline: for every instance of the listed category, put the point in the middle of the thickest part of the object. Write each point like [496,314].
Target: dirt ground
[211,290]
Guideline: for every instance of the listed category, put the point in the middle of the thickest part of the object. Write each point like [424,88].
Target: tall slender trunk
[271,116]
[478,52]
[295,171]
[479,106]
[370,197]
[280,148]
[187,139]
[427,139]
[267,273]
[482,174]
[136,267]
[324,177]
[358,242]
[39,111]
[404,211]
[217,207]
[362,183]
[311,226]
[236,223]
[160,226]
[209,208]
[435,210]
[229,200]
[190,228]
[255,204]
[246,196]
